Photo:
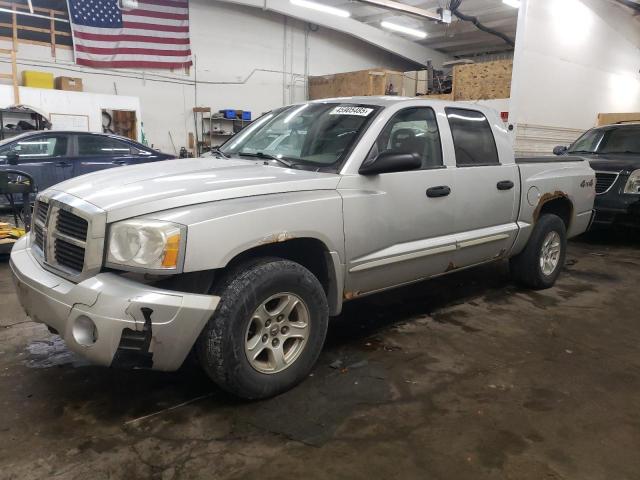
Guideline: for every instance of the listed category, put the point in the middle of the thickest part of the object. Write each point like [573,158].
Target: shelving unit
[12,115]
[215,130]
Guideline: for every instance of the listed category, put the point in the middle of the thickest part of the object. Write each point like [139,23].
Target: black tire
[221,345]
[525,267]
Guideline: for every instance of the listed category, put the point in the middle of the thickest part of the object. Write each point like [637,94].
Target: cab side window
[104,146]
[472,138]
[412,130]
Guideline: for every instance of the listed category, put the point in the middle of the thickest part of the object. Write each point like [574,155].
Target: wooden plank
[14,73]
[610,118]
[52,28]
[35,29]
[14,26]
[482,81]
[36,42]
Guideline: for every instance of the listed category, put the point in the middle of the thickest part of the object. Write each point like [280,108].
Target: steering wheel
[407,132]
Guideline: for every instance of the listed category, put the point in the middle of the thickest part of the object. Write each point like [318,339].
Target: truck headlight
[633,184]
[146,245]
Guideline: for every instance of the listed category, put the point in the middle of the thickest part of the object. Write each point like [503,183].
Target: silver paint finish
[277,333]
[112,303]
[550,253]
[377,231]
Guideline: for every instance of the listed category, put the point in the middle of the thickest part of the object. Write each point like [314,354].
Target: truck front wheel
[268,329]
[540,263]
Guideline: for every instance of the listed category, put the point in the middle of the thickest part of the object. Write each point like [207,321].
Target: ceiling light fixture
[512,3]
[406,30]
[322,8]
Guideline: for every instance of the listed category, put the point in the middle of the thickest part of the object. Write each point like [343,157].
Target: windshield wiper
[220,152]
[268,156]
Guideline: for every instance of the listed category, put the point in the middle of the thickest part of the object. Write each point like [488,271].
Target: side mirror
[389,162]
[559,150]
[13,158]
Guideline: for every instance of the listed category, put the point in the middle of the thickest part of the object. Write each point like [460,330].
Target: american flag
[155,34]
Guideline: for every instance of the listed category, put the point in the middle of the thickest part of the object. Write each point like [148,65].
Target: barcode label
[357,111]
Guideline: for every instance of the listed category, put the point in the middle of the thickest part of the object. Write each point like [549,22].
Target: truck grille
[604,181]
[42,210]
[39,221]
[72,225]
[39,237]
[68,239]
[69,255]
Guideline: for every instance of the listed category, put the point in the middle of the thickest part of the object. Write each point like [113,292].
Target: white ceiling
[460,39]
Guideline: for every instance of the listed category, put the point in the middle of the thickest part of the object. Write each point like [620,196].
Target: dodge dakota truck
[242,257]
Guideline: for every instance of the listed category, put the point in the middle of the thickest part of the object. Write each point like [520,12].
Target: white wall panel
[229,42]
[573,60]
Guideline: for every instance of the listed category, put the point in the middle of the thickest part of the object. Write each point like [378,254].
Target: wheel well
[308,252]
[560,206]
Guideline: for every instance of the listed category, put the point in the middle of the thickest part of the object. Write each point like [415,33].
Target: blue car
[51,157]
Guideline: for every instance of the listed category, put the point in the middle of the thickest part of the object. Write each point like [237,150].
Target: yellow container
[31,78]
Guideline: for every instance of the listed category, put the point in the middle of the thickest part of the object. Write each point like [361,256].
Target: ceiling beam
[480,50]
[404,8]
[390,42]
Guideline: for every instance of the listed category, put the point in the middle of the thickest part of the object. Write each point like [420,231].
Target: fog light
[85,331]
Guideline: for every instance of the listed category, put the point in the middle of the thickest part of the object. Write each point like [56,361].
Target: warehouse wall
[245,58]
[573,60]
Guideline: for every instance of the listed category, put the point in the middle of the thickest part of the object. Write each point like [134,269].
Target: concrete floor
[465,377]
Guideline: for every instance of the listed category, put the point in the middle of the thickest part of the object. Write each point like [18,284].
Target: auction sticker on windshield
[358,111]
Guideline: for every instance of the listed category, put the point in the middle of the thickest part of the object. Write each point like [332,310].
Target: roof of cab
[380,101]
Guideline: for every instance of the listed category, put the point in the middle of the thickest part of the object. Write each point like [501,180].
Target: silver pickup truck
[243,256]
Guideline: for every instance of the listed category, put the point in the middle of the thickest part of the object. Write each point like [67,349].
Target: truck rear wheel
[540,263]
[267,331]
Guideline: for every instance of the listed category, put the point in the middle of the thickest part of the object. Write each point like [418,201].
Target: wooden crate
[350,84]
[482,81]
[609,118]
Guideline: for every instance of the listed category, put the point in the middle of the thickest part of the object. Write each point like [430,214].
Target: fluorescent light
[512,3]
[401,29]
[321,8]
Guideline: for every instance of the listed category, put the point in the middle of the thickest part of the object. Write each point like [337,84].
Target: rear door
[44,157]
[97,152]
[487,189]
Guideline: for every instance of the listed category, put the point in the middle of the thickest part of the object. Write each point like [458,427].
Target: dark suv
[614,153]
[51,157]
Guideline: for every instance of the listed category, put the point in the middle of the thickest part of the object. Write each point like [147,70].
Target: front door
[398,226]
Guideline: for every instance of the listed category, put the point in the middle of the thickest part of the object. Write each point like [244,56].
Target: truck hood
[126,192]
[614,162]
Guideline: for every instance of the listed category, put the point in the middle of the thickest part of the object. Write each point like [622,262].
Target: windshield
[617,139]
[312,134]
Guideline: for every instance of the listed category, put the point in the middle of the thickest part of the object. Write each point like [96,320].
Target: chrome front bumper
[91,315]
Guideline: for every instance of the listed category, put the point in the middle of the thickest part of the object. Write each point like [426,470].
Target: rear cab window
[473,138]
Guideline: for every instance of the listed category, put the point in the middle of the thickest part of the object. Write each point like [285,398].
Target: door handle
[63,164]
[505,185]
[440,191]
